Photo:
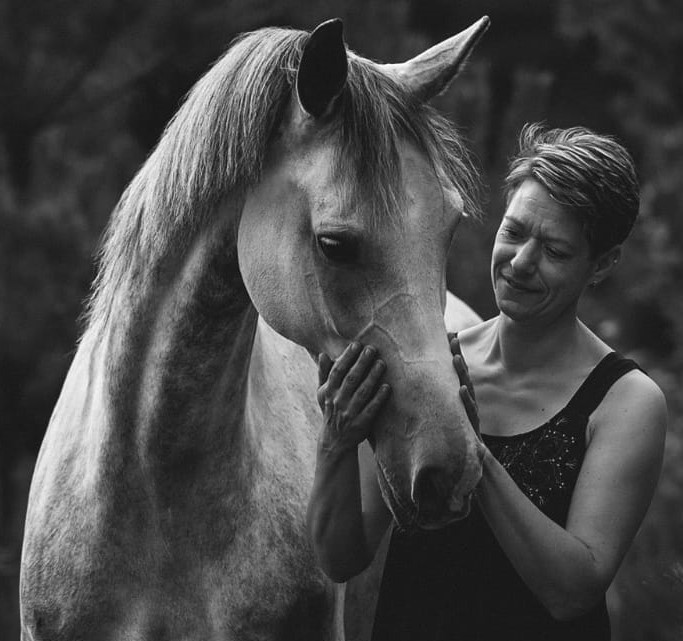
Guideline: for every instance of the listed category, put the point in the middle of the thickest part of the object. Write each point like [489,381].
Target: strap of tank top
[597,384]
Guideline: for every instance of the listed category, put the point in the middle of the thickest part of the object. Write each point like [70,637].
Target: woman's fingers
[351,380]
[470,408]
[466,385]
[459,362]
[375,403]
[324,366]
[343,364]
[454,343]
[350,394]
[367,387]
[356,374]
[463,373]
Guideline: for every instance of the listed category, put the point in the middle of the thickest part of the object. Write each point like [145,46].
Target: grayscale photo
[341,320]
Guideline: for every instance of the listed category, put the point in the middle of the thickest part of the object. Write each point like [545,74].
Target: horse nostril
[431,491]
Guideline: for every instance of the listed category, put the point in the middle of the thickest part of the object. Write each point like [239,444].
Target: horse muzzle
[429,482]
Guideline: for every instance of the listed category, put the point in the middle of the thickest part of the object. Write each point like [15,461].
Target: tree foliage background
[87,88]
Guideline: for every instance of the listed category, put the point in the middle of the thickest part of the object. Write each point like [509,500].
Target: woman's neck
[520,346]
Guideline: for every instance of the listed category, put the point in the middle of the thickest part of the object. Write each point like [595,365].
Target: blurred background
[87,88]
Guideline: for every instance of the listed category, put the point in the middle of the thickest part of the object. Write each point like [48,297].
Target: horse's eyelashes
[338,249]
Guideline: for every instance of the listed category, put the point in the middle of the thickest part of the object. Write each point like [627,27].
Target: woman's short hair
[591,174]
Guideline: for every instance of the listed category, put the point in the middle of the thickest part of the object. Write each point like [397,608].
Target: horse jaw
[430,73]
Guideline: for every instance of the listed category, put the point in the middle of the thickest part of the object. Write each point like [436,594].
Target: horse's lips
[458,513]
[405,516]
[409,518]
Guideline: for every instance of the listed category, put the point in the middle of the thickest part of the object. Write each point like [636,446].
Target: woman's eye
[337,249]
[556,253]
[510,232]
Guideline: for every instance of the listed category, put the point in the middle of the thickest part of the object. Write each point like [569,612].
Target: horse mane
[216,144]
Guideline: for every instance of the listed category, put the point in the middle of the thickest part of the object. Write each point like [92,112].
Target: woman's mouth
[520,287]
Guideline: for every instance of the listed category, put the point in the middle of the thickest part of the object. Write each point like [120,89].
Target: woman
[573,432]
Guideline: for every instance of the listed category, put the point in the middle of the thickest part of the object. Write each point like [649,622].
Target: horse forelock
[376,114]
[215,146]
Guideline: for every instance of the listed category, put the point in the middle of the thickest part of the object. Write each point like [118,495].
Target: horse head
[345,237]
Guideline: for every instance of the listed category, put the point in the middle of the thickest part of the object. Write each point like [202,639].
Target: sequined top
[457,583]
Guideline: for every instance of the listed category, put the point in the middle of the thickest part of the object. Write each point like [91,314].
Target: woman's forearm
[350,396]
[335,516]
[557,567]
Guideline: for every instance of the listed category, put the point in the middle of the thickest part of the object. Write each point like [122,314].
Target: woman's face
[541,259]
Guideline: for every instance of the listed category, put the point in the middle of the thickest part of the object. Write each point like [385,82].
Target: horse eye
[337,249]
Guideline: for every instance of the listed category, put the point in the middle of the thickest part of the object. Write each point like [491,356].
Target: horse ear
[322,71]
[429,73]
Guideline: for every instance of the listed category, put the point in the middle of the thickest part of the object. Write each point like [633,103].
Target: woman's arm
[569,569]
[344,534]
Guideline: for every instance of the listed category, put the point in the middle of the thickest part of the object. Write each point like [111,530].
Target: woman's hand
[466,387]
[344,532]
[350,396]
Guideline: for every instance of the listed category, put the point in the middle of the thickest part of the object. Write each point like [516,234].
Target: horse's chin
[455,513]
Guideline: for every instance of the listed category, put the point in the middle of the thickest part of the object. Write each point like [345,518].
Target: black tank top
[456,584]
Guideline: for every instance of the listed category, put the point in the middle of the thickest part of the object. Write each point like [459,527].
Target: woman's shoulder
[473,333]
[474,338]
[635,389]
[632,404]
[458,314]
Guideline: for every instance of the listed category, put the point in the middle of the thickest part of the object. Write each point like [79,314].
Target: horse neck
[177,352]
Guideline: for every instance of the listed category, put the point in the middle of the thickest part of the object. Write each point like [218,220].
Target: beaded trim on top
[541,462]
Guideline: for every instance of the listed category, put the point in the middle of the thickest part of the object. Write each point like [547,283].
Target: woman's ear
[605,263]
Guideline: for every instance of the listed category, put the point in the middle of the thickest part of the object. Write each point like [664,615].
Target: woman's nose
[524,260]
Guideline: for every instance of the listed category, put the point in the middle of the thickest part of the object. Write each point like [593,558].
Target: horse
[302,197]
